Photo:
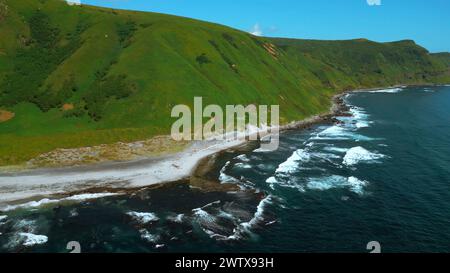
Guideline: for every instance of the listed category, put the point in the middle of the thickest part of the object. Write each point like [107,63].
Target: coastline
[37,184]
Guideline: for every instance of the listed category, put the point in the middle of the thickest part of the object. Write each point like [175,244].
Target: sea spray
[358,155]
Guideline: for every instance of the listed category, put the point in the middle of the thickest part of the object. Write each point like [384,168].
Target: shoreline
[131,175]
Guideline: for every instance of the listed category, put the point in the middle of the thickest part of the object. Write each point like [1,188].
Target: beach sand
[26,185]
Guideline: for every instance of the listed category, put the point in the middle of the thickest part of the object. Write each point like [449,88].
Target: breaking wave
[337,132]
[176,219]
[149,237]
[46,201]
[246,227]
[283,173]
[242,158]
[143,217]
[336,181]
[335,149]
[389,90]
[33,239]
[225,178]
[24,233]
[358,155]
[292,163]
[243,166]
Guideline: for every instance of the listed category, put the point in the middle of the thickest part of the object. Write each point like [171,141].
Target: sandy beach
[27,185]
[133,174]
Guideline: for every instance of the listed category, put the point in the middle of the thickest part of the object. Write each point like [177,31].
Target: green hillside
[443,57]
[73,76]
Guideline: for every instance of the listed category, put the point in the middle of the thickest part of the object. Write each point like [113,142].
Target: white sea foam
[31,204]
[211,204]
[360,155]
[326,183]
[325,156]
[245,228]
[337,181]
[272,181]
[87,196]
[285,169]
[242,229]
[243,158]
[309,144]
[208,221]
[358,119]
[73,213]
[33,239]
[262,150]
[284,182]
[24,233]
[143,217]
[358,113]
[389,90]
[225,178]
[334,131]
[243,166]
[258,216]
[362,124]
[204,215]
[357,185]
[292,163]
[177,219]
[46,201]
[340,133]
[214,235]
[146,235]
[335,149]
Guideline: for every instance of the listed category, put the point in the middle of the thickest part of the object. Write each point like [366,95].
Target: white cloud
[74,2]
[256,30]
[374,2]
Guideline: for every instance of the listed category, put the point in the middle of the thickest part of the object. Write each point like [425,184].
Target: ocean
[382,174]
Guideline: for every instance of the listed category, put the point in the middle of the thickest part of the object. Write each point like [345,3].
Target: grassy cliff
[73,76]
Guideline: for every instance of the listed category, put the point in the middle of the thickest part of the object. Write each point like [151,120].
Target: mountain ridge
[77,76]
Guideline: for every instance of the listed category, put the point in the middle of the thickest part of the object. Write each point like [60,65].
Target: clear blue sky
[425,21]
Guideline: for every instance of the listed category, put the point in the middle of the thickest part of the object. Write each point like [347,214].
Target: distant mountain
[73,76]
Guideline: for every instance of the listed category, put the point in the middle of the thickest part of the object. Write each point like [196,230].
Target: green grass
[125,70]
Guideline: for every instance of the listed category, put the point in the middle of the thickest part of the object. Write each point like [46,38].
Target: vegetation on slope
[443,57]
[121,72]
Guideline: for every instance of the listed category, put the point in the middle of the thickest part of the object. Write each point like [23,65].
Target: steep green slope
[363,63]
[76,76]
[443,57]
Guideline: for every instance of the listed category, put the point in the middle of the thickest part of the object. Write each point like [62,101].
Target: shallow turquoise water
[382,175]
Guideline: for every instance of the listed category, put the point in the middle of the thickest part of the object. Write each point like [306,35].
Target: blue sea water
[382,175]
